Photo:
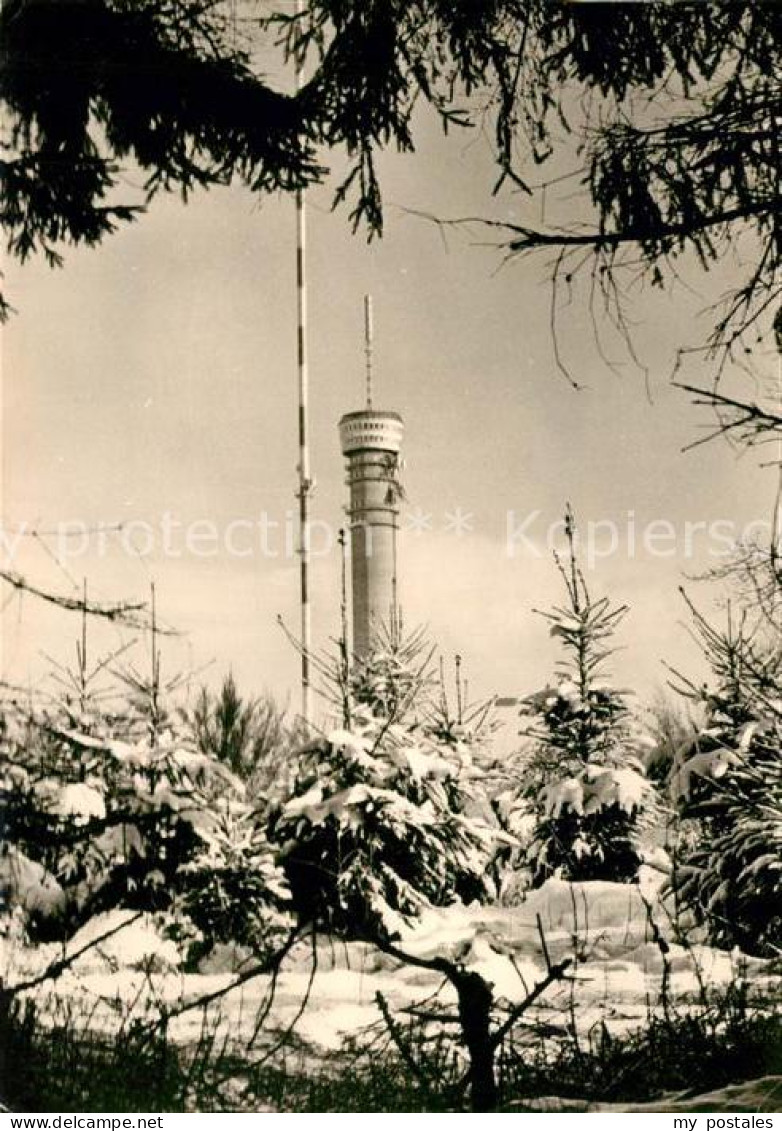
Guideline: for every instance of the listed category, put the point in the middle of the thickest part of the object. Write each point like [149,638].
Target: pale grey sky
[156,375]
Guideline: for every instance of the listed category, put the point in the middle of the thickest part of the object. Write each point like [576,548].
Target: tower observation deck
[371,442]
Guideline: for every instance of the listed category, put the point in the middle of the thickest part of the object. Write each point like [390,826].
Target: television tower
[371,441]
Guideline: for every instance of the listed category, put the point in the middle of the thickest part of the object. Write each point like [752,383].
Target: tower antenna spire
[368,345]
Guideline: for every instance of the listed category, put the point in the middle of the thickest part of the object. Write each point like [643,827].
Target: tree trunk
[475,1002]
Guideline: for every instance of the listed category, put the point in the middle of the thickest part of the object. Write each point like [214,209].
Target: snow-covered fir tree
[727,782]
[384,817]
[107,802]
[583,782]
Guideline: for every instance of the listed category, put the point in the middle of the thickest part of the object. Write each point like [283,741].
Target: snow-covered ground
[750,1096]
[617,973]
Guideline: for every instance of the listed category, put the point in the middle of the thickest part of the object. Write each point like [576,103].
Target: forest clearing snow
[613,929]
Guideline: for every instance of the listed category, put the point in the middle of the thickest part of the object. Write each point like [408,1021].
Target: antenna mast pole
[305,480]
[368,344]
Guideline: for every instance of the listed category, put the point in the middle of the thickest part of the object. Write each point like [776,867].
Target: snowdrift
[613,931]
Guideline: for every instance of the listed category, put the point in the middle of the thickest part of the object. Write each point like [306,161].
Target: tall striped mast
[305,479]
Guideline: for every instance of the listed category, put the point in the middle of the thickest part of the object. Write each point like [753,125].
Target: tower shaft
[371,442]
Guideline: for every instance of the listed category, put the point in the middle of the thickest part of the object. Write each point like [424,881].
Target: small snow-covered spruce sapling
[108,803]
[582,777]
[386,819]
[727,784]
[379,820]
